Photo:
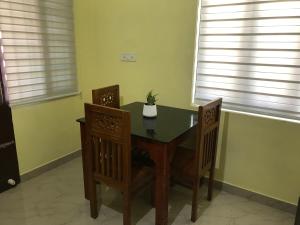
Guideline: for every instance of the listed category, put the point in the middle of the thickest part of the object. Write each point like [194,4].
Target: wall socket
[128,57]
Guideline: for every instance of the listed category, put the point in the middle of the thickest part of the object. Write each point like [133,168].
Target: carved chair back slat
[108,140]
[208,149]
[107,96]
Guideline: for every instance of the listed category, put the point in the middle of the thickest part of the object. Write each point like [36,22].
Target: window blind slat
[35,36]
[290,101]
[21,86]
[247,45]
[207,3]
[34,95]
[33,23]
[249,54]
[32,15]
[256,68]
[15,77]
[39,86]
[37,61]
[38,48]
[252,30]
[253,83]
[38,68]
[33,43]
[32,29]
[29,95]
[252,23]
[245,74]
[250,38]
[40,8]
[260,103]
[250,88]
[257,60]
[48,2]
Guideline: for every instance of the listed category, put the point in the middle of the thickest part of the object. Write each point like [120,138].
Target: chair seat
[142,171]
[183,165]
[141,176]
[140,157]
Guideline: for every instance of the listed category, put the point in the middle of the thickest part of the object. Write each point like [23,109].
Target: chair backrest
[207,135]
[1,95]
[2,99]
[108,144]
[107,96]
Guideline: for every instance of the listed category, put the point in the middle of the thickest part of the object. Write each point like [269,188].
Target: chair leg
[93,200]
[126,208]
[172,182]
[194,215]
[201,182]
[152,195]
[210,184]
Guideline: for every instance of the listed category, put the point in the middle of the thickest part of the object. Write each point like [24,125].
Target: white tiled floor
[56,198]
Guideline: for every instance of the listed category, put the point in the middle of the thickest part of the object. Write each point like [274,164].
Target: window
[249,54]
[38,49]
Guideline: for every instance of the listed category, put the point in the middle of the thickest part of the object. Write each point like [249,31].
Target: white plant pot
[149,110]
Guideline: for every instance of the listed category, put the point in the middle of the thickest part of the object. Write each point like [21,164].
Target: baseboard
[275,203]
[49,166]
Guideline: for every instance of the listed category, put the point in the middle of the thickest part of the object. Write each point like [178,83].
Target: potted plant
[150,109]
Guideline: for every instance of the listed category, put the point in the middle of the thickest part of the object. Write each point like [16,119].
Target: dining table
[159,136]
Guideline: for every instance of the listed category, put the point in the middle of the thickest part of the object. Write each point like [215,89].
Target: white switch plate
[128,57]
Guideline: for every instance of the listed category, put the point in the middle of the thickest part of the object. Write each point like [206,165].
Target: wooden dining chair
[108,146]
[110,97]
[191,165]
[107,96]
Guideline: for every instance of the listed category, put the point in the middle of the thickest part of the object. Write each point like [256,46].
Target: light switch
[128,57]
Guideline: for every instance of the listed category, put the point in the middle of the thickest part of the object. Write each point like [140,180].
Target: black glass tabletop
[169,124]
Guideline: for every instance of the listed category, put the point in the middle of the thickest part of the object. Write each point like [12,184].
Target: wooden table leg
[84,167]
[162,168]
[161,154]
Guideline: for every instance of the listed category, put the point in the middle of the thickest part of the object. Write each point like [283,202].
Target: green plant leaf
[151,99]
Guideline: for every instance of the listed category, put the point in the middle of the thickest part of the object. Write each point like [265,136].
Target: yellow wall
[46,131]
[258,154]
[164,50]
[262,155]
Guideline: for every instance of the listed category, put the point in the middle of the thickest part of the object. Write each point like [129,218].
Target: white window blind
[249,54]
[38,49]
